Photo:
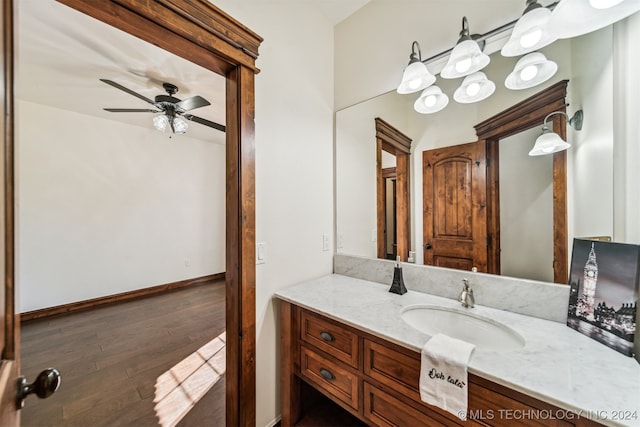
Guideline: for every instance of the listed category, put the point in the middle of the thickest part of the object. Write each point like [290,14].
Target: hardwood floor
[110,359]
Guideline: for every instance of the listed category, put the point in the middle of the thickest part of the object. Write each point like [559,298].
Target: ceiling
[63,53]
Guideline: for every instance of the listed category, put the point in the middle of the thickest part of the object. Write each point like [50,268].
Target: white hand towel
[443,374]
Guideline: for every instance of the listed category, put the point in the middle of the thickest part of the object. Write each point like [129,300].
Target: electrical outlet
[340,241]
[325,242]
[187,263]
[374,235]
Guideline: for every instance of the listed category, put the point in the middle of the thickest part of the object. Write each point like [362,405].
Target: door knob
[46,383]
[427,246]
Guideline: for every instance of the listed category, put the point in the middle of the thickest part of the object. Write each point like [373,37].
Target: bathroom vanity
[345,337]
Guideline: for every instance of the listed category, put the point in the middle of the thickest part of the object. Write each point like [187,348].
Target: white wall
[294,165]
[626,110]
[356,171]
[526,209]
[105,208]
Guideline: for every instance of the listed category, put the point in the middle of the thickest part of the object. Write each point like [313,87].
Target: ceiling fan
[171,106]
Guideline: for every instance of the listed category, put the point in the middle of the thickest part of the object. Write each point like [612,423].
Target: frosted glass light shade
[160,122]
[572,18]
[474,88]
[179,125]
[530,70]
[431,100]
[548,143]
[465,59]
[530,33]
[415,77]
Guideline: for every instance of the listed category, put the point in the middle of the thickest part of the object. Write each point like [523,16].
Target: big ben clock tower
[587,302]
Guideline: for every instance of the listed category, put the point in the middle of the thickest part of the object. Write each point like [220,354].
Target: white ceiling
[63,53]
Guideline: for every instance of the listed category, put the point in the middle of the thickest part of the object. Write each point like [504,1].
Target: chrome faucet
[466,296]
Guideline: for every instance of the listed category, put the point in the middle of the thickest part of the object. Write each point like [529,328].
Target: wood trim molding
[527,114]
[117,298]
[392,136]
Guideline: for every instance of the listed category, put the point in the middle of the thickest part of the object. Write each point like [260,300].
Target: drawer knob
[326,336]
[326,374]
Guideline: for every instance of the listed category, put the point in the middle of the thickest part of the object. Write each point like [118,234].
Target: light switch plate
[261,253]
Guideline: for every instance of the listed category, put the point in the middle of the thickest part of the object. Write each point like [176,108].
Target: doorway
[203,34]
[393,150]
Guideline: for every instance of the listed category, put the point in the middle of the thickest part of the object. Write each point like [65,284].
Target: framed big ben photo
[603,298]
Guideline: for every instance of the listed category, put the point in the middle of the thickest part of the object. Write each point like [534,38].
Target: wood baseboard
[112,299]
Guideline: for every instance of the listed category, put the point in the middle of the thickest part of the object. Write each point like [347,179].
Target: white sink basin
[462,324]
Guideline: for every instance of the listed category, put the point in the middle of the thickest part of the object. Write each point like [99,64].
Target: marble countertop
[557,365]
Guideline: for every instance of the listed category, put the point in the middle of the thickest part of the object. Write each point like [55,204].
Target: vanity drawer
[329,376]
[383,409]
[330,337]
[397,370]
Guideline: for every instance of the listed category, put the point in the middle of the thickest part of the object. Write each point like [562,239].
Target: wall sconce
[431,100]
[474,88]
[416,76]
[530,32]
[550,142]
[572,18]
[467,56]
[530,71]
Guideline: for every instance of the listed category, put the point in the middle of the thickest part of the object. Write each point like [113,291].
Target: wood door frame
[202,33]
[525,115]
[391,140]
[389,173]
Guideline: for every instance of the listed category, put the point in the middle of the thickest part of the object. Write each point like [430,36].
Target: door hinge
[489,241]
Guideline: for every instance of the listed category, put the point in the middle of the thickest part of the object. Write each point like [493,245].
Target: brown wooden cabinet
[377,381]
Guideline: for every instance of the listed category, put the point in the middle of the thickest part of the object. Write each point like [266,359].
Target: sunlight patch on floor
[182,386]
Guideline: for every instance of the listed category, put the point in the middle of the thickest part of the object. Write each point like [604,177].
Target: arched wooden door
[454,201]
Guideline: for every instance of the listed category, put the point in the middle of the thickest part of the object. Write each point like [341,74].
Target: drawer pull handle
[326,374]
[326,336]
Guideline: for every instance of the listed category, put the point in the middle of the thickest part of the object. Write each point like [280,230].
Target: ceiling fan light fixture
[572,18]
[530,32]
[474,88]
[416,75]
[160,122]
[466,57]
[180,126]
[431,100]
[530,70]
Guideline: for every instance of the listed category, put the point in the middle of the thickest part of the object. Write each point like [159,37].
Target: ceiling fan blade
[205,122]
[192,103]
[129,91]
[131,110]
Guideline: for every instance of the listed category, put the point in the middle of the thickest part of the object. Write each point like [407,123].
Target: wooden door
[8,325]
[455,214]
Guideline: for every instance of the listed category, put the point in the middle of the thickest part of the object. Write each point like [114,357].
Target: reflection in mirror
[585,61]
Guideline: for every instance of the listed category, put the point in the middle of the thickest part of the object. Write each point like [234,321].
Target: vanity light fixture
[530,32]
[474,88]
[550,142]
[530,71]
[416,76]
[572,18]
[431,100]
[466,57]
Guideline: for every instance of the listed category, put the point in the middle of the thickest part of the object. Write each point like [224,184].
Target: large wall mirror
[526,193]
